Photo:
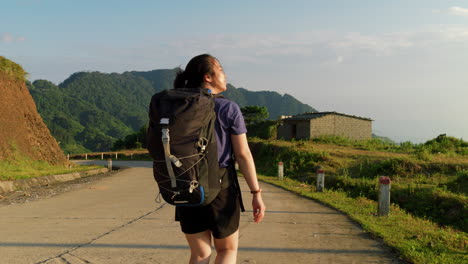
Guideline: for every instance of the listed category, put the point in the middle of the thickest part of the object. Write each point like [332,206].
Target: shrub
[423,153]
[445,144]
[460,183]
[264,129]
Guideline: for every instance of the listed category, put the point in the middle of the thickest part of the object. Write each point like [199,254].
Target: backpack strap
[235,181]
[167,150]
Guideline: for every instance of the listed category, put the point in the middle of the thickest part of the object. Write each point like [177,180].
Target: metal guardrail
[106,155]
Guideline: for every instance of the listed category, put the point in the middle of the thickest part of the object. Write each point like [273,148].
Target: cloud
[313,48]
[8,38]
[458,11]
[455,33]
[320,47]
[339,59]
[379,44]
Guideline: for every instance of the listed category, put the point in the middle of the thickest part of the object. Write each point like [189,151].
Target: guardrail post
[102,156]
[116,155]
[384,196]
[86,156]
[320,180]
[109,164]
[280,170]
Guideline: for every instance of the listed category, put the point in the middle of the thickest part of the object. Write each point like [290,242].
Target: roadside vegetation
[442,144]
[417,240]
[19,167]
[429,218]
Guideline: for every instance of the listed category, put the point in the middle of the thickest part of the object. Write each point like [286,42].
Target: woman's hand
[258,207]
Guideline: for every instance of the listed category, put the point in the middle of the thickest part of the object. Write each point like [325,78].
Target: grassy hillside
[12,69]
[432,186]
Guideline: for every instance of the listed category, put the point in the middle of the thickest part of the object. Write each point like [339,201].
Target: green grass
[416,240]
[25,169]
[17,165]
[428,189]
[440,145]
[12,69]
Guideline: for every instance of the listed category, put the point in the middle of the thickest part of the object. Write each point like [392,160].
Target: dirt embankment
[22,130]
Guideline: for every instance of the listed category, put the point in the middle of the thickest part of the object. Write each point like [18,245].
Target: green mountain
[276,103]
[77,124]
[89,111]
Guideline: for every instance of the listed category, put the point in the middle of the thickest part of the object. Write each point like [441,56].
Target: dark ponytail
[179,81]
[193,76]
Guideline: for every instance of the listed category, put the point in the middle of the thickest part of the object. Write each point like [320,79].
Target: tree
[136,140]
[254,114]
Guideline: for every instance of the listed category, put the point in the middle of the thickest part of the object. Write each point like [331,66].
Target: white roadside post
[280,170]
[116,155]
[384,196]
[68,156]
[86,156]
[102,156]
[320,180]
[109,164]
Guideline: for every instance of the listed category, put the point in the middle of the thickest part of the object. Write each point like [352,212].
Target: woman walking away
[220,218]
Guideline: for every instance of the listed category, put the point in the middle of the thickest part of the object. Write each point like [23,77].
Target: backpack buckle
[202,143]
[193,184]
[175,161]
[164,121]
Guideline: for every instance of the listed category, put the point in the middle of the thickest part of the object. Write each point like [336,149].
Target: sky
[404,64]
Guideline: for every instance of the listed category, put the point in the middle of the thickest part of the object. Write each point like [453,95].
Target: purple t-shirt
[229,121]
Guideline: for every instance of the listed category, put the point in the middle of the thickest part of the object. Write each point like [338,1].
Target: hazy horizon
[399,63]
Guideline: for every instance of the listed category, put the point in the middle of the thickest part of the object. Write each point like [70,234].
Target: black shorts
[221,217]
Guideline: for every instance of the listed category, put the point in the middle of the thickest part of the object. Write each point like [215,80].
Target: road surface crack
[68,251]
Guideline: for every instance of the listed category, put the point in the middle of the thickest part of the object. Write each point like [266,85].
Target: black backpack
[181,140]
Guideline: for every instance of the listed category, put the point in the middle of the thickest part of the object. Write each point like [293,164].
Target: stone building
[310,125]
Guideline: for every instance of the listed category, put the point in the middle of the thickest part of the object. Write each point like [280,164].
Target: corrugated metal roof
[309,116]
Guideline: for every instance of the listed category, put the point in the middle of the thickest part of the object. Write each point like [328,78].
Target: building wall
[353,128]
[324,125]
[338,125]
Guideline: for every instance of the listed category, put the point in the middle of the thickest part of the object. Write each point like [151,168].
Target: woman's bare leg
[200,247]
[226,249]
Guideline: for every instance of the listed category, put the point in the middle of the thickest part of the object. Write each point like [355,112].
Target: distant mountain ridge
[90,110]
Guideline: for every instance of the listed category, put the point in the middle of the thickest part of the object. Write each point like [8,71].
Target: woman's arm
[247,167]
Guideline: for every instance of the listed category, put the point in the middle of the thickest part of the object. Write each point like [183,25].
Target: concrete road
[116,220]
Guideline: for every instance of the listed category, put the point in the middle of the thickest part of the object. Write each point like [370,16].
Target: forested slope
[89,111]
